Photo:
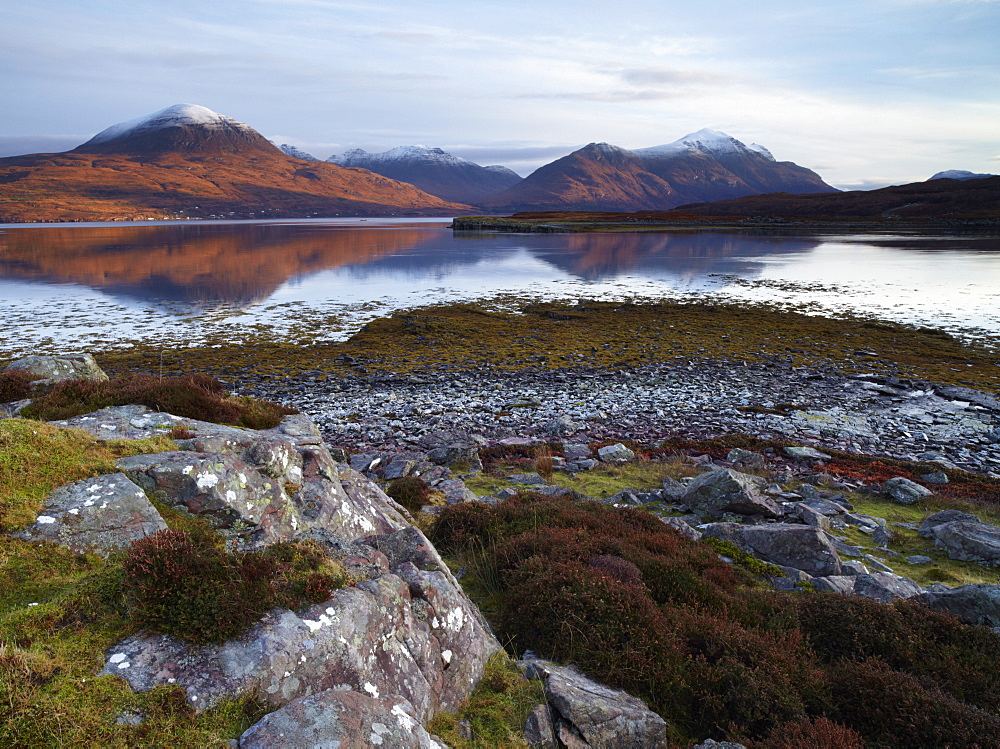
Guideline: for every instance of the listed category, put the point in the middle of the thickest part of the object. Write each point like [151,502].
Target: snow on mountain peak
[176,115]
[417,154]
[708,141]
[959,174]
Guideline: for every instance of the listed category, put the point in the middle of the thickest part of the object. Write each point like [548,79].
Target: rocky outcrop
[973,604]
[963,536]
[591,715]
[902,491]
[100,516]
[717,492]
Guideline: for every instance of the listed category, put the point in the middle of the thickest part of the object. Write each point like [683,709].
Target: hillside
[189,162]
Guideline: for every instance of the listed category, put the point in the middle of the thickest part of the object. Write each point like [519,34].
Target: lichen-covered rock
[746,458]
[973,604]
[341,718]
[539,730]
[271,455]
[963,536]
[234,496]
[616,453]
[803,547]
[885,587]
[715,493]
[99,515]
[377,638]
[902,491]
[589,714]
[140,422]
[49,370]
[804,453]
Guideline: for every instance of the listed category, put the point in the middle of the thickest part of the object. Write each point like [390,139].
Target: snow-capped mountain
[182,127]
[959,174]
[701,167]
[433,170]
[296,153]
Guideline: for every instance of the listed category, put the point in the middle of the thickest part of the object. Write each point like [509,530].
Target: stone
[713,744]
[101,515]
[341,718]
[826,506]
[804,453]
[843,584]
[802,547]
[937,477]
[539,730]
[679,525]
[746,458]
[616,453]
[589,714]
[456,492]
[918,559]
[270,455]
[973,604]
[49,370]
[716,492]
[397,469]
[926,529]
[808,515]
[885,587]
[883,535]
[672,488]
[877,563]
[527,479]
[966,540]
[853,567]
[902,491]
[576,450]
[561,426]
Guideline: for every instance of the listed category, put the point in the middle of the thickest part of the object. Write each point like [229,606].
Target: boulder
[885,587]
[49,370]
[589,714]
[99,515]
[456,492]
[805,548]
[539,730]
[341,718]
[804,453]
[616,453]
[746,458]
[902,491]
[963,536]
[682,527]
[843,584]
[561,426]
[973,604]
[716,492]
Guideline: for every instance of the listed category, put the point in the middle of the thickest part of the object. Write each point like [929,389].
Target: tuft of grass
[195,396]
[36,458]
[496,710]
[410,491]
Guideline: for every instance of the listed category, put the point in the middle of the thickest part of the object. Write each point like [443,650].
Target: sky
[867,93]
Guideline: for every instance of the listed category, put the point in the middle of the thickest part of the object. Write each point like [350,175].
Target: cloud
[675,77]
[607,96]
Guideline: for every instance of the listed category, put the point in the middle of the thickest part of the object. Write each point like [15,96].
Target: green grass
[496,710]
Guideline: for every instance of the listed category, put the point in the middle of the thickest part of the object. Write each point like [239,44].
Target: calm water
[98,285]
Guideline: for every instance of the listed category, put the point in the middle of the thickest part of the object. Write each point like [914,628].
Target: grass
[496,710]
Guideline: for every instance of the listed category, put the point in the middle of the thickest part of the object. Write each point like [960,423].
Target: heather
[713,649]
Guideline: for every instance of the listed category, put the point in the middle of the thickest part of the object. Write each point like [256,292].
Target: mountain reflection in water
[242,264]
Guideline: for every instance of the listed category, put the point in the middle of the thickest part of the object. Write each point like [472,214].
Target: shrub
[410,491]
[186,585]
[194,396]
[811,733]
[617,568]
[15,385]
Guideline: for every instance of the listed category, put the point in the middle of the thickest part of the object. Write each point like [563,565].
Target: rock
[340,718]
[843,584]
[808,492]
[937,477]
[852,567]
[576,451]
[49,370]
[885,587]
[269,454]
[713,744]
[918,559]
[561,426]
[398,468]
[224,489]
[672,488]
[616,453]
[629,497]
[883,536]
[528,479]
[965,540]
[717,492]
[973,604]
[539,730]
[746,458]
[410,633]
[804,453]
[683,528]
[902,491]
[877,563]
[826,506]
[99,515]
[456,492]
[808,515]
[589,714]
[926,529]
[808,549]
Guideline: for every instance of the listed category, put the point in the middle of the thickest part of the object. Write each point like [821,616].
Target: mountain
[938,200]
[188,161]
[959,174]
[296,153]
[700,167]
[434,171]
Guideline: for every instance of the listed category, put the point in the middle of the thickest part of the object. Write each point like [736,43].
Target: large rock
[589,714]
[49,370]
[340,718]
[885,587]
[616,453]
[963,536]
[410,633]
[902,491]
[803,547]
[717,492]
[99,515]
[973,604]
